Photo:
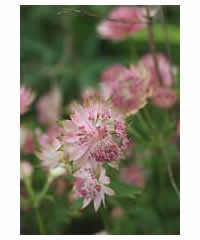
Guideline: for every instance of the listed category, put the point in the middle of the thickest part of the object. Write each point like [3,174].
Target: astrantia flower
[129,91]
[95,133]
[164,69]
[51,153]
[124,22]
[49,107]
[26,140]
[133,174]
[91,184]
[26,99]
[164,97]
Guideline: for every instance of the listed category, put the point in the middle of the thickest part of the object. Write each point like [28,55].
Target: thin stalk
[39,221]
[152,43]
[166,34]
[171,176]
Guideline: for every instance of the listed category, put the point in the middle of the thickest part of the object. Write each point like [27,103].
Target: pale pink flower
[95,133]
[129,91]
[49,107]
[164,69]
[91,186]
[51,153]
[164,97]
[26,99]
[26,140]
[26,169]
[127,21]
[134,174]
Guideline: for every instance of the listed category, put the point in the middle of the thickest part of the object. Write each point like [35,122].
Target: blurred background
[61,47]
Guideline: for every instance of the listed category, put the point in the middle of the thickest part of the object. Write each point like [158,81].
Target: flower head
[163,66]
[164,97]
[122,22]
[129,91]
[26,99]
[51,153]
[91,184]
[26,140]
[49,107]
[134,175]
[95,133]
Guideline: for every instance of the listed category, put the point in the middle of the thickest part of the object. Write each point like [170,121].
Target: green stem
[142,121]
[170,174]
[39,221]
[44,191]
[35,204]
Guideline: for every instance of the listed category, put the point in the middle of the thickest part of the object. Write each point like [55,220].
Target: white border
[190,118]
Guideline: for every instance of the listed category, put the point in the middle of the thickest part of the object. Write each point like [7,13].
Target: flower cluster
[122,22]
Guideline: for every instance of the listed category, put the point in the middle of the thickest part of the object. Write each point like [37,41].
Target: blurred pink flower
[26,140]
[134,174]
[164,69]
[95,133]
[50,154]
[112,73]
[164,97]
[90,185]
[26,169]
[49,107]
[129,91]
[126,22]
[26,99]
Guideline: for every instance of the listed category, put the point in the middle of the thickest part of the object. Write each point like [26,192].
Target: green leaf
[125,190]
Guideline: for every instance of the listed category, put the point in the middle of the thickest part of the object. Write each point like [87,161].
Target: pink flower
[129,91]
[49,107]
[90,185]
[26,169]
[51,154]
[134,175]
[26,99]
[164,69]
[26,140]
[112,73]
[122,22]
[164,97]
[95,133]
